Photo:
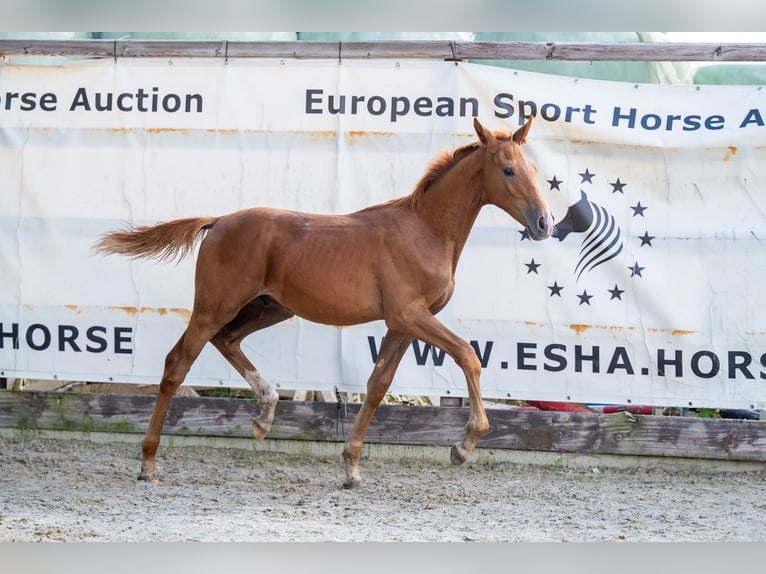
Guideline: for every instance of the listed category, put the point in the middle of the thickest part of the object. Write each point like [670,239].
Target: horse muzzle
[542,227]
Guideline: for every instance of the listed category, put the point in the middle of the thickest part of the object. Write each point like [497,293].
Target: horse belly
[332,294]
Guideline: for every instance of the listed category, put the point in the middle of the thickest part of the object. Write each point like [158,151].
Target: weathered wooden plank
[638,51]
[394,424]
[629,435]
[574,51]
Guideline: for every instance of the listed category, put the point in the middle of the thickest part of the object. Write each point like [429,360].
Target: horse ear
[485,136]
[520,135]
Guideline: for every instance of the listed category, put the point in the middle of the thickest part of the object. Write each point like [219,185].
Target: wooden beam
[442,50]
[393,424]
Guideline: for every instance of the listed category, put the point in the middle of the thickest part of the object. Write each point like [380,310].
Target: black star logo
[636,270]
[555,289]
[585,298]
[587,176]
[525,234]
[555,183]
[646,239]
[618,186]
[638,209]
[532,267]
[616,292]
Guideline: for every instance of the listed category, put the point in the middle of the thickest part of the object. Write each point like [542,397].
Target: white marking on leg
[267,399]
[263,390]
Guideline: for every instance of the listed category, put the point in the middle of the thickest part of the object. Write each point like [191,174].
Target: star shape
[618,186]
[525,234]
[587,176]
[532,267]
[555,289]
[585,298]
[636,270]
[638,209]
[646,239]
[616,292]
[554,183]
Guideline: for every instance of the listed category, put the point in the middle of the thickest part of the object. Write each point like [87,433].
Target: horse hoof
[259,432]
[352,483]
[457,457]
[148,477]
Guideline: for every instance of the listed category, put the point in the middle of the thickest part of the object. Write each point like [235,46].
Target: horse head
[508,180]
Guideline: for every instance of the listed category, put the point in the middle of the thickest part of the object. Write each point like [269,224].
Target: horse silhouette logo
[602,241]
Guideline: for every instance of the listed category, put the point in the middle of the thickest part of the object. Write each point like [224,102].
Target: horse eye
[508,171]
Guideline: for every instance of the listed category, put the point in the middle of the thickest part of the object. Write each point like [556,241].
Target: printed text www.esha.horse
[260,266]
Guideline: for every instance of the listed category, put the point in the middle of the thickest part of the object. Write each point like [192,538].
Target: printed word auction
[88,101]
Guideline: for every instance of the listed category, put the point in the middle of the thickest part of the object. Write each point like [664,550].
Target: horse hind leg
[259,313]
[177,364]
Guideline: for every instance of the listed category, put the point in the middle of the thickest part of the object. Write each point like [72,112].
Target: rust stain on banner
[356,136]
[322,136]
[579,328]
[185,314]
[682,332]
[673,332]
[169,130]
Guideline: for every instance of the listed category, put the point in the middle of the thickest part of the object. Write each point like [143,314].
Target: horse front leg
[420,323]
[391,351]
[478,424]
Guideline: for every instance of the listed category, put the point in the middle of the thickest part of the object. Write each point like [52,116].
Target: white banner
[649,294]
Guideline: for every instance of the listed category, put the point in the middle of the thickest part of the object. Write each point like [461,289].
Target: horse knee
[377,389]
[469,362]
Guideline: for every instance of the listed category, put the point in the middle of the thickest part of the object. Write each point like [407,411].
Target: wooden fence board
[392,424]
[443,50]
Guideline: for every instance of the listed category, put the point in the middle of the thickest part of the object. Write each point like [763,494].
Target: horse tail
[164,241]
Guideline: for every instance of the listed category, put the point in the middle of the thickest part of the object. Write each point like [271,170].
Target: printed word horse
[393,262]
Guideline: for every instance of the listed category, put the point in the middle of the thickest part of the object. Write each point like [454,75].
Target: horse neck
[450,205]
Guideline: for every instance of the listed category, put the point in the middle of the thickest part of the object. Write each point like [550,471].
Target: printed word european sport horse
[395,261]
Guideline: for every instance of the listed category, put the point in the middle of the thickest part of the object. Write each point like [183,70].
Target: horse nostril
[542,223]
